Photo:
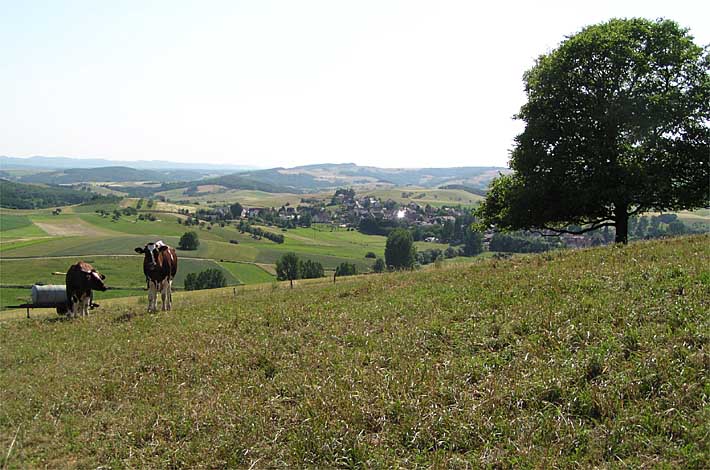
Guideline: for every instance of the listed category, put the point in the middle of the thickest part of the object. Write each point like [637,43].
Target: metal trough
[49,296]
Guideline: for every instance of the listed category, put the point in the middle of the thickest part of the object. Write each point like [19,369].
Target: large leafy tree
[617,123]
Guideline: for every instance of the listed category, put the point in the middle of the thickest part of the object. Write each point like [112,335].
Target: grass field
[424,196]
[18,226]
[587,358]
[248,273]
[123,271]
[247,198]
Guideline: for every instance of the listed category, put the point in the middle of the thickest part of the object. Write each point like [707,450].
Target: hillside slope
[109,173]
[576,358]
[31,196]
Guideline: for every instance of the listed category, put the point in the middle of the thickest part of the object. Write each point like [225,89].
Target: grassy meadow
[585,358]
[33,244]
[424,196]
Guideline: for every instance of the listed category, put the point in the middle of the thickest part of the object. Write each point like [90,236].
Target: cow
[81,280]
[159,266]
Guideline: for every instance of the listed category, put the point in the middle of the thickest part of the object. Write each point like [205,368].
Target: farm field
[50,243]
[30,253]
[247,198]
[566,359]
[423,196]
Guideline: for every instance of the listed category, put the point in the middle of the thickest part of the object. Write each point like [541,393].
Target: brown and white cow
[81,279]
[159,267]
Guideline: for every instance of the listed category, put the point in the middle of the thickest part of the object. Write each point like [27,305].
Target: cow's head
[95,280]
[151,251]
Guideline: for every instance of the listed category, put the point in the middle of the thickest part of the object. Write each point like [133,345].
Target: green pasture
[120,271]
[165,225]
[13,222]
[18,244]
[18,226]
[247,273]
[424,196]
[13,296]
[592,358]
[247,198]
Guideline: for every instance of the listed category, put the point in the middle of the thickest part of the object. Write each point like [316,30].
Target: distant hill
[30,196]
[234,181]
[57,163]
[109,173]
[300,179]
[317,177]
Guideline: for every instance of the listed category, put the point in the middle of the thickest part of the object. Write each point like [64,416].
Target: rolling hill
[577,359]
[31,196]
[314,178]
[109,174]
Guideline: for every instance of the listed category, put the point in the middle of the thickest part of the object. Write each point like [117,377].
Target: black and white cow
[159,267]
[81,279]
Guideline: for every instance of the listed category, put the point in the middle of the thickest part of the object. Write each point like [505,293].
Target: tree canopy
[400,252]
[288,267]
[616,123]
[189,241]
[310,269]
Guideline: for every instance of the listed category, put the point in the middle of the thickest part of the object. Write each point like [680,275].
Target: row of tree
[259,232]
[211,278]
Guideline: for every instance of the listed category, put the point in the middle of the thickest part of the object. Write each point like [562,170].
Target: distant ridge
[111,174]
[58,163]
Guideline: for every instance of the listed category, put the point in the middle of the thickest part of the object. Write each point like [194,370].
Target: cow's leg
[151,296]
[154,306]
[169,289]
[85,306]
[164,294]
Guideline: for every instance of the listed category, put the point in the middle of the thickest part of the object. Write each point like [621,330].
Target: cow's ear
[140,250]
[163,247]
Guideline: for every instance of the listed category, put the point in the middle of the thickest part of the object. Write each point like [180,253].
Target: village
[346,210]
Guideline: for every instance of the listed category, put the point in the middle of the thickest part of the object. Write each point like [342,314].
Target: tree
[236,210]
[189,241]
[311,269]
[379,265]
[288,267]
[399,249]
[616,124]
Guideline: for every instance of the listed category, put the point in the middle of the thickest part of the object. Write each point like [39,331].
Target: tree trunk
[621,223]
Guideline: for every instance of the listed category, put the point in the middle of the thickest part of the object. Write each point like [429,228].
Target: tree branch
[595,225]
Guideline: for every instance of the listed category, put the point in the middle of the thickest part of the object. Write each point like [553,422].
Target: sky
[284,83]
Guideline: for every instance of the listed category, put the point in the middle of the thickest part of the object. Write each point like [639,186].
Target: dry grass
[585,358]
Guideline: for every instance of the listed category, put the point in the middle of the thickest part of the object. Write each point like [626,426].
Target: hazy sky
[284,83]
